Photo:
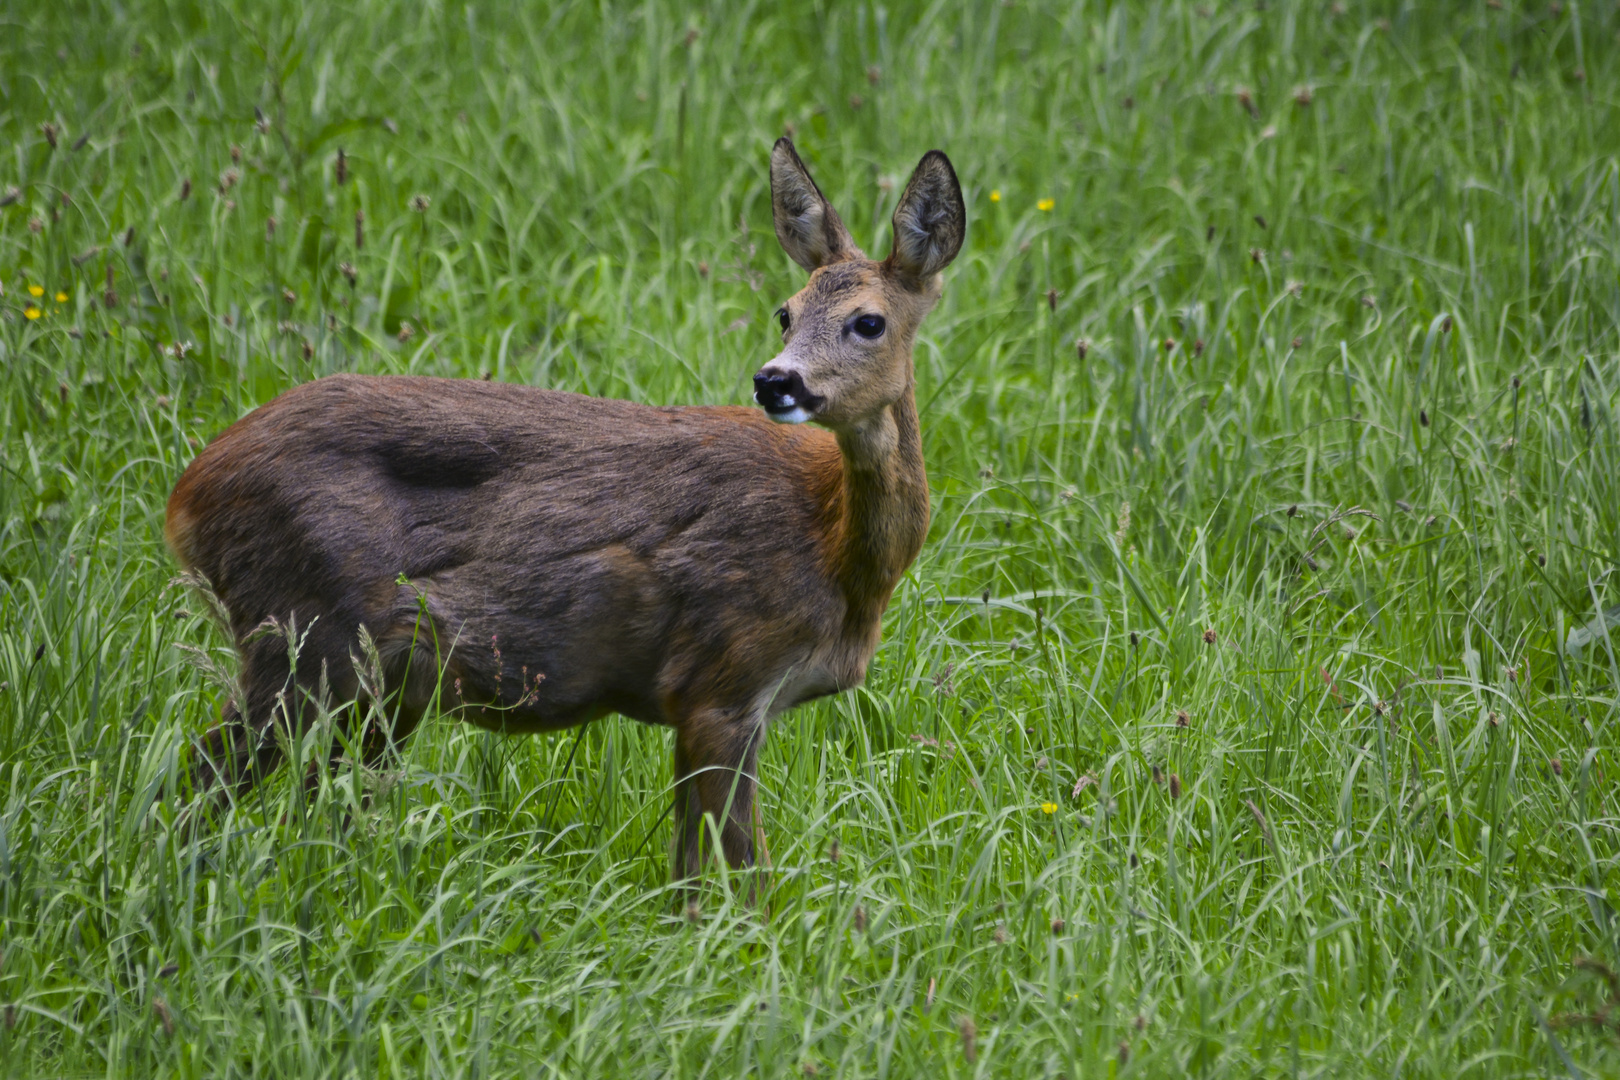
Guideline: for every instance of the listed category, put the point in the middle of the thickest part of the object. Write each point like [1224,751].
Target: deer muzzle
[783,395]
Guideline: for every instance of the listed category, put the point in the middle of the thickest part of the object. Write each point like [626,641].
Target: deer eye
[869,326]
[782,317]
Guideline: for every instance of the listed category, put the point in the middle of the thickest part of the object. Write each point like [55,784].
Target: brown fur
[701,568]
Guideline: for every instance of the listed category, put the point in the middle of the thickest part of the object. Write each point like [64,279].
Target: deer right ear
[806,223]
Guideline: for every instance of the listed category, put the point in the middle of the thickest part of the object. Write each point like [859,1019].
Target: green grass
[1387,481]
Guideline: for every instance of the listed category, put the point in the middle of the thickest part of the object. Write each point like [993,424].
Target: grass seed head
[1557,766]
[1209,636]
[165,1017]
[970,1037]
[420,203]
[860,919]
[1057,927]
[340,170]
[1183,718]
[1175,785]
[693,912]
[359,229]
[50,131]
[348,272]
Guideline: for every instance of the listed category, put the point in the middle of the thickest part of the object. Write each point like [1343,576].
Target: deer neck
[884,506]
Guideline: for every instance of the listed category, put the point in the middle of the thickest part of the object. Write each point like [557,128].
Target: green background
[1336,475]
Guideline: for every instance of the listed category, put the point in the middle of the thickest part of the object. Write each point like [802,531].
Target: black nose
[779,391]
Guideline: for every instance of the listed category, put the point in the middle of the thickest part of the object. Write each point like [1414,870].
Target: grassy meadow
[1249,712]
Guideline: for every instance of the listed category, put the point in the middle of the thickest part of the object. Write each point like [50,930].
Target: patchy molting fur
[701,568]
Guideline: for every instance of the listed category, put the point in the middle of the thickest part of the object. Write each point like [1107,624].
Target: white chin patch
[795,415]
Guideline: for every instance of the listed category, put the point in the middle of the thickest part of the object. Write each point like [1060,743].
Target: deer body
[530,560]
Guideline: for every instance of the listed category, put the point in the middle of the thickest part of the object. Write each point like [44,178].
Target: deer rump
[532,559]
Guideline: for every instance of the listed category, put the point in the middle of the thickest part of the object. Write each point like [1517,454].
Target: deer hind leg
[716,755]
[413,664]
[244,747]
[273,707]
[386,705]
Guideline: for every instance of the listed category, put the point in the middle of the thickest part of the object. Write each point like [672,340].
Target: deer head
[847,335]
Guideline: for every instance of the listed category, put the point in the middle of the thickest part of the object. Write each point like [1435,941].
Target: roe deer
[702,568]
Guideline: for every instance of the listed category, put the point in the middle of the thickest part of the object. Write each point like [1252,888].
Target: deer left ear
[930,222]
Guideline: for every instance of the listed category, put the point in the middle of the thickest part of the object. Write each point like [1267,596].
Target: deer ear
[930,222]
[806,223]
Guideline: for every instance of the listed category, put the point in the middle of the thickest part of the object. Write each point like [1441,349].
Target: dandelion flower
[36,291]
[995,195]
[1048,807]
[61,298]
[1045,204]
[32,312]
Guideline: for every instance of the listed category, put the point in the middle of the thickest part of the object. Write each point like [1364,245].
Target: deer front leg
[716,754]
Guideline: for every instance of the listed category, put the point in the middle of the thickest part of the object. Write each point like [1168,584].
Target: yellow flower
[1046,204]
[1048,807]
[32,312]
[36,291]
[61,298]
[995,195]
